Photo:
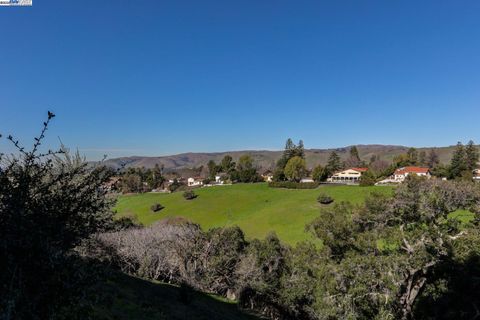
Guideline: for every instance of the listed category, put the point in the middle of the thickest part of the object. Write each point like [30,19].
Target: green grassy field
[255,208]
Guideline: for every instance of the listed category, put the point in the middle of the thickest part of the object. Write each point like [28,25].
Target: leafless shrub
[162,251]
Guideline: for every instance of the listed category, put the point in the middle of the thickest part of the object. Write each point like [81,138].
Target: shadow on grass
[128,297]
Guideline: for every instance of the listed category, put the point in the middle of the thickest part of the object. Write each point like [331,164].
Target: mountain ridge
[266,159]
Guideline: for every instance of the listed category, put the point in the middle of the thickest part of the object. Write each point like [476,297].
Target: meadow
[255,208]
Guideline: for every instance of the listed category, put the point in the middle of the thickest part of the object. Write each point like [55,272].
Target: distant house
[351,175]
[218,179]
[267,176]
[476,175]
[307,180]
[194,182]
[401,173]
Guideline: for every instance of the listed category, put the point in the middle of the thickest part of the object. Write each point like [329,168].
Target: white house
[476,175]
[193,182]
[267,176]
[218,180]
[351,175]
[401,173]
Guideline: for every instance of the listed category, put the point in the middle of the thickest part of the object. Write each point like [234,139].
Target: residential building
[401,173]
[267,176]
[476,175]
[218,179]
[347,176]
[194,182]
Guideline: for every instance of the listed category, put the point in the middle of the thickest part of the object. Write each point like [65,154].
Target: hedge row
[293,185]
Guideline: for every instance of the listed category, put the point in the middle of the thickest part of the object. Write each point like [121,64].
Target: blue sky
[163,77]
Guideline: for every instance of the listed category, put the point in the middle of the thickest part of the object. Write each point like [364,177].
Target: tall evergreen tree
[354,153]
[458,163]
[354,159]
[212,169]
[300,150]
[291,150]
[334,163]
[471,156]
[227,164]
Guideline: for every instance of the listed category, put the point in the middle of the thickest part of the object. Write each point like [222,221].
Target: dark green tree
[334,163]
[458,164]
[155,177]
[471,156]
[291,150]
[212,169]
[227,164]
[49,204]
[367,179]
[246,171]
[354,158]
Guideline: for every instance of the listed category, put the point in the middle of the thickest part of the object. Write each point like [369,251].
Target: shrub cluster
[189,195]
[324,199]
[156,207]
[293,185]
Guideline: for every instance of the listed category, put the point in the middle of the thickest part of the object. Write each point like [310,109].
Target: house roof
[412,169]
[359,169]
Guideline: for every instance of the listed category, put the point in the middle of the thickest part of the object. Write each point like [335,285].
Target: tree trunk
[415,282]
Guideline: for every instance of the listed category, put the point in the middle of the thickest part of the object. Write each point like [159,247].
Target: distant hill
[266,159]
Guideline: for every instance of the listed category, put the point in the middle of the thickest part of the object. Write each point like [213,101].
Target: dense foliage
[391,258]
[295,169]
[291,151]
[49,203]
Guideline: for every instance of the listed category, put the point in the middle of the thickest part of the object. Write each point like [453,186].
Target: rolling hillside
[266,159]
[255,208]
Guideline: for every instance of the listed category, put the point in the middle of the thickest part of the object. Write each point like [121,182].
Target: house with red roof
[401,173]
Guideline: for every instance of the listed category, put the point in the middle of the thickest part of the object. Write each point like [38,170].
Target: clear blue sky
[163,77]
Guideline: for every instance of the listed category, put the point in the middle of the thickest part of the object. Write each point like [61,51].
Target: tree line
[292,165]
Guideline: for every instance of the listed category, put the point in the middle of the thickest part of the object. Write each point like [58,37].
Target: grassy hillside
[255,208]
[128,297]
